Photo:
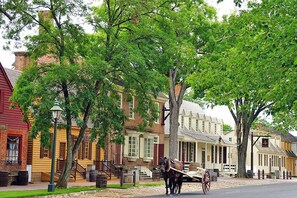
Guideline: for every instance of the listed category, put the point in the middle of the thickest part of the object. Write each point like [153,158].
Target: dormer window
[182,122]
[190,122]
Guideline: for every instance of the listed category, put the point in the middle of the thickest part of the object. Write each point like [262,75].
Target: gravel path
[223,182]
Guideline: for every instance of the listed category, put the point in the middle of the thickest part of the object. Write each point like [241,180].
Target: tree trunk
[173,135]
[63,179]
[175,101]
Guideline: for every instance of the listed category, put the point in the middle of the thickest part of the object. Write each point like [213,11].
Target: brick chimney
[21,60]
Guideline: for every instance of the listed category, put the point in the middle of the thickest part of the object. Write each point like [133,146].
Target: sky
[224,8]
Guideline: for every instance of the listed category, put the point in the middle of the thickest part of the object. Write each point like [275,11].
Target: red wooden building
[13,131]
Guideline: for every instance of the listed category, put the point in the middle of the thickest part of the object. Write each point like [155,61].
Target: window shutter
[83,150]
[90,151]
[50,149]
[41,151]
[126,146]
[141,147]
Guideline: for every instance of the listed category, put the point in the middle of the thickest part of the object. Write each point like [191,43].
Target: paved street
[287,190]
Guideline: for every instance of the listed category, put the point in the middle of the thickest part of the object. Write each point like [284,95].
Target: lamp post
[56,112]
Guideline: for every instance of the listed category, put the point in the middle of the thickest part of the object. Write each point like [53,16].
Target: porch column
[196,148]
[206,155]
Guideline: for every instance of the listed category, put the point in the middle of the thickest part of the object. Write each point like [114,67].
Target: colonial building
[201,139]
[13,131]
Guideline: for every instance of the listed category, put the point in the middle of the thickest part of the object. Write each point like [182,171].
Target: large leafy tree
[249,67]
[182,28]
[83,71]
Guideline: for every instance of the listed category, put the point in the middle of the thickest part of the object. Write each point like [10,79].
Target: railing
[105,167]
[76,167]
[80,169]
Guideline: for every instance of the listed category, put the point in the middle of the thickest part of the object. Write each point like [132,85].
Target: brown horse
[173,179]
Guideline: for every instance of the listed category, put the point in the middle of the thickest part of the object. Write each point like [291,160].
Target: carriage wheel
[206,182]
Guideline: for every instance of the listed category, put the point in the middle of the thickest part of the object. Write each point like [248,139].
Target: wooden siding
[11,118]
[44,164]
[11,125]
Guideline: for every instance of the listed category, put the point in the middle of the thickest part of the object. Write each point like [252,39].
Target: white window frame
[121,100]
[190,123]
[182,121]
[197,125]
[148,148]
[157,120]
[133,146]
[131,109]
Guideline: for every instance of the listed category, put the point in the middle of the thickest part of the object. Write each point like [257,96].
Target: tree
[182,28]
[248,65]
[83,71]
[227,128]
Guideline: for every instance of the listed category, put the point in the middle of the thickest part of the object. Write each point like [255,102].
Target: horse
[173,179]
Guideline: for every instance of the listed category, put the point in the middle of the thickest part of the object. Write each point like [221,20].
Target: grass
[34,193]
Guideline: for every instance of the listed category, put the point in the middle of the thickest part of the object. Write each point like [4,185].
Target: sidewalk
[222,182]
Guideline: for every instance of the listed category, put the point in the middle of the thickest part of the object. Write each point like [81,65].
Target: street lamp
[56,112]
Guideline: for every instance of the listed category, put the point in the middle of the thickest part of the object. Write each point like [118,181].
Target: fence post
[263,174]
[122,178]
[290,175]
[284,175]
[259,174]
[134,178]
[287,175]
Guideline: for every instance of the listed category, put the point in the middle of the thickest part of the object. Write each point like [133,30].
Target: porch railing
[105,167]
[76,167]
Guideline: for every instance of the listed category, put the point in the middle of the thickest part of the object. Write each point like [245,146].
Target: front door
[203,159]
[62,152]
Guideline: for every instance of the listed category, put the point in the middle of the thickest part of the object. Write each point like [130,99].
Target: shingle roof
[12,75]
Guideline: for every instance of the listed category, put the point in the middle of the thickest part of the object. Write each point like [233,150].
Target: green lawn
[33,193]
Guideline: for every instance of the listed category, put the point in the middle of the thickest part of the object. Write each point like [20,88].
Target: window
[133,146]
[148,147]
[158,113]
[156,140]
[260,160]
[182,122]
[190,122]
[120,104]
[131,109]
[197,127]
[215,128]
[265,160]
[12,149]
[1,101]
[230,139]
[209,127]
[203,126]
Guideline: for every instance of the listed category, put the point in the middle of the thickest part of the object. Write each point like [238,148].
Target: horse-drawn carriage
[172,169]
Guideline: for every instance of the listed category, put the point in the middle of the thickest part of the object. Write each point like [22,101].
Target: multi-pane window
[203,126]
[12,149]
[148,147]
[86,150]
[133,146]
[131,109]
[158,112]
[190,122]
[265,160]
[182,121]
[120,100]
[197,126]
[260,163]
